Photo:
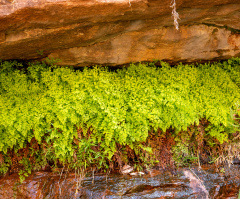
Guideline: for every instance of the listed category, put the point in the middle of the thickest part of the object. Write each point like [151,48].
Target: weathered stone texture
[82,32]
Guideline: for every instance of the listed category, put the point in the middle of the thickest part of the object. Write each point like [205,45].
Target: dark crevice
[233,30]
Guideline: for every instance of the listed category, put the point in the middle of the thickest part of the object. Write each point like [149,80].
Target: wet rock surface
[187,183]
[115,32]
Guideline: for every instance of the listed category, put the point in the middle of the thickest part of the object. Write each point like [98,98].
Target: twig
[60,190]
[93,175]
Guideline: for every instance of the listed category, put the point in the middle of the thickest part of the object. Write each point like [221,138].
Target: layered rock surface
[114,32]
[155,184]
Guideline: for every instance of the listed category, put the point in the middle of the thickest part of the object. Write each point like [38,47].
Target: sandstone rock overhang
[114,32]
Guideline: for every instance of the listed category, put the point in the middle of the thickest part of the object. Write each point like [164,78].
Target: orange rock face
[114,32]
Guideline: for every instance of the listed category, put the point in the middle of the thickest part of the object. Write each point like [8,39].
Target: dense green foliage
[51,103]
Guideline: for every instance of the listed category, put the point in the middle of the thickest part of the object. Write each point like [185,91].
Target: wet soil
[205,182]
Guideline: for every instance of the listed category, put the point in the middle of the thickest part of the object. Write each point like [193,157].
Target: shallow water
[207,182]
[187,183]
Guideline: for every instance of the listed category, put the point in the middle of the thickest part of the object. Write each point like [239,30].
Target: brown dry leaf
[1,159]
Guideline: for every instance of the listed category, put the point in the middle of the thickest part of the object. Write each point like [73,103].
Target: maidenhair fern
[51,104]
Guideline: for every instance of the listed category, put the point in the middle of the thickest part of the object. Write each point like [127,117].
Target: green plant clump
[83,115]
